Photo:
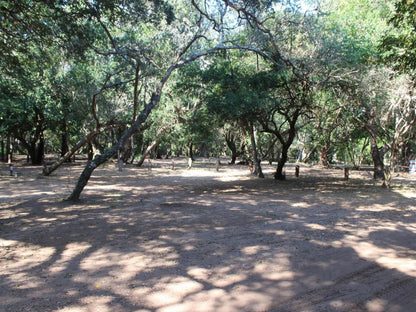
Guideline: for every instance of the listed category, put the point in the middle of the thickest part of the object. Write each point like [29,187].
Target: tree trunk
[377,156]
[229,139]
[203,150]
[64,140]
[309,155]
[64,145]
[323,155]
[2,150]
[90,151]
[147,152]
[37,151]
[279,175]
[256,162]
[190,151]
[9,151]
[87,139]
[100,159]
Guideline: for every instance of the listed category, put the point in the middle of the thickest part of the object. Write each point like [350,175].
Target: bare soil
[162,240]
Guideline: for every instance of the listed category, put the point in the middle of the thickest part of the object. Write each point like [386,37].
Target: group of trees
[323,81]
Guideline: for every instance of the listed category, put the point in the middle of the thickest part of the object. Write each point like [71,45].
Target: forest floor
[162,240]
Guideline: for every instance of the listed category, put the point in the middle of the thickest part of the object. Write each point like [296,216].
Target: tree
[362,87]
[26,102]
[232,96]
[397,46]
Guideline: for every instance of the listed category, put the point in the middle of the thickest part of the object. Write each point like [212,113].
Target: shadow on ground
[201,240]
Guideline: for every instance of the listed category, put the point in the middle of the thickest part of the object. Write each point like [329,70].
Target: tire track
[342,294]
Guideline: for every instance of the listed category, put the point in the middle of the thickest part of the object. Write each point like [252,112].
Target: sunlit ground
[156,239]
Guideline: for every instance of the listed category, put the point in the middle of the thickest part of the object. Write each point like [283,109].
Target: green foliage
[399,45]
[69,67]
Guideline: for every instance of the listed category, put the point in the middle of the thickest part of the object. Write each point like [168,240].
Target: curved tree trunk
[230,140]
[155,141]
[48,170]
[147,152]
[141,119]
[100,159]
[279,175]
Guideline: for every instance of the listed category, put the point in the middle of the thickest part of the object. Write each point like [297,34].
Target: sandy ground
[154,239]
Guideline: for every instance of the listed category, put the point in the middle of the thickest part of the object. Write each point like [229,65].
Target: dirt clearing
[161,240]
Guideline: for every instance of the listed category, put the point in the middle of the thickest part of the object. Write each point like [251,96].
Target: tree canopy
[117,78]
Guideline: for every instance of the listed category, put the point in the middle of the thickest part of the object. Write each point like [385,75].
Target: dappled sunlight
[380,305]
[402,259]
[172,291]
[253,250]
[301,205]
[217,299]
[161,240]
[408,193]
[69,252]
[29,256]
[194,173]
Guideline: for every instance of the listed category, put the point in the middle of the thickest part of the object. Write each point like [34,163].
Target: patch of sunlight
[192,173]
[74,309]
[275,232]
[315,226]
[46,219]
[275,270]
[300,205]
[386,257]
[25,281]
[229,280]
[97,303]
[233,177]
[408,193]
[284,276]
[71,251]
[8,242]
[376,305]
[29,256]
[102,258]
[375,207]
[252,250]
[337,304]
[110,187]
[219,300]
[173,292]
[222,277]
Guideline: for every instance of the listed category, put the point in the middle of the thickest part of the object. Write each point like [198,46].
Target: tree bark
[146,153]
[256,161]
[291,134]
[9,151]
[48,170]
[64,140]
[37,151]
[279,175]
[377,156]
[2,150]
[230,140]
[190,150]
[323,155]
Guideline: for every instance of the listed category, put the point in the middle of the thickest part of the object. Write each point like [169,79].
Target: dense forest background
[325,81]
